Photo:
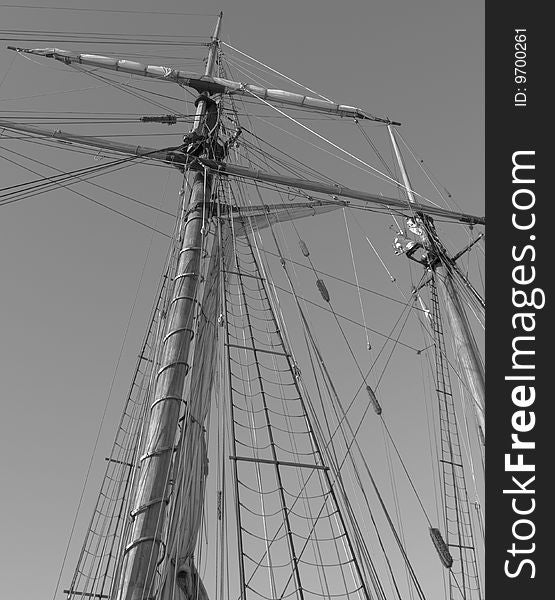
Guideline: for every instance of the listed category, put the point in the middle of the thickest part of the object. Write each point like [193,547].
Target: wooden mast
[458,525]
[145,543]
[465,344]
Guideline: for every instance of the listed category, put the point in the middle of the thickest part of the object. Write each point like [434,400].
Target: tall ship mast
[262,449]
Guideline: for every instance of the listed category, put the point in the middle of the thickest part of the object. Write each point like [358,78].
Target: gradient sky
[70,270]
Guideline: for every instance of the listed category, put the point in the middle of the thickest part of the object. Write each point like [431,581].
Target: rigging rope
[326,376]
[368,345]
[78,194]
[369,169]
[373,576]
[275,71]
[109,10]
[307,539]
[393,279]
[105,410]
[155,208]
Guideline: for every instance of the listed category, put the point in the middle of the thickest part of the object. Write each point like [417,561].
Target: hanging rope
[368,345]
[369,167]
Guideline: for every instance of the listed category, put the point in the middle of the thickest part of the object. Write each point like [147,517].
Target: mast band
[178,330]
[150,538]
[173,364]
[143,507]
[188,274]
[191,298]
[164,398]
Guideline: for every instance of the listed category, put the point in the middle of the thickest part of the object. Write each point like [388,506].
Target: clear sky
[70,270]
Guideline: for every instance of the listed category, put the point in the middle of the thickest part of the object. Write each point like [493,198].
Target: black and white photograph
[243,333]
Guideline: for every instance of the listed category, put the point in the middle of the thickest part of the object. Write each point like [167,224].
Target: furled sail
[203,83]
[472,367]
[255,218]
